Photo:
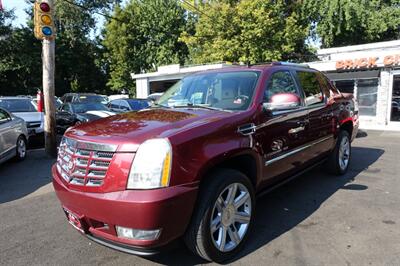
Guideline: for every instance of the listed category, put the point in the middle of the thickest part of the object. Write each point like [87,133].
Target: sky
[19,6]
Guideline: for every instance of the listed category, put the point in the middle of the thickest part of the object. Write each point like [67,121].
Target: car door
[282,133]
[6,133]
[316,94]
[64,116]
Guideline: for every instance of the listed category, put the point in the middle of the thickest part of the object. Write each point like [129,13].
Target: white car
[13,136]
[24,108]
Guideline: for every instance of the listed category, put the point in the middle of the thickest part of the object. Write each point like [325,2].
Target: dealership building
[370,71]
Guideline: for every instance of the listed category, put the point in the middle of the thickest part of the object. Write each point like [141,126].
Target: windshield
[138,104]
[17,105]
[92,98]
[228,91]
[84,107]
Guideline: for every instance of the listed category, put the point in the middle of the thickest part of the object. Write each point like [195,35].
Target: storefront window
[367,91]
[395,114]
[346,86]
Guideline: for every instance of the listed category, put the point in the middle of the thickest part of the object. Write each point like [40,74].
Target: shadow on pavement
[19,179]
[361,134]
[289,205]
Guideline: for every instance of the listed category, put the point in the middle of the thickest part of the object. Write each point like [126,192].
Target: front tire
[21,148]
[339,160]
[223,217]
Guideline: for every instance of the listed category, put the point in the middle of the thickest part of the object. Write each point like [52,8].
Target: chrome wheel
[21,148]
[344,153]
[230,217]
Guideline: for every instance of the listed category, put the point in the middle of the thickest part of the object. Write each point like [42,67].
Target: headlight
[151,166]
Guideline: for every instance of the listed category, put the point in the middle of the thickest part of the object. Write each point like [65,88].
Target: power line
[96,12]
[196,9]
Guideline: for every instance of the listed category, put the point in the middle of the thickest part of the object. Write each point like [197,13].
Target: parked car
[193,164]
[70,114]
[154,96]
[118,96]
[57,102]
[84,98]
[24,108]
[127,105]
[13,136]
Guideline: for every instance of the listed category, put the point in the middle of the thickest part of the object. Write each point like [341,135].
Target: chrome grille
[84,167]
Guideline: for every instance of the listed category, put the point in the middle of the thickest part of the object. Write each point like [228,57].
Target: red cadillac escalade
[192,164]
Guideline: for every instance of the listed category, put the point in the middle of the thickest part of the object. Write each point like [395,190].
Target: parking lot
[316,219]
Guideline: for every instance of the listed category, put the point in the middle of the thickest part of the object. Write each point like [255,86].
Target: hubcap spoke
[234,235]
[231,194]
[222,238]
[239,201]
[220,204]
[242,217]
[215,224]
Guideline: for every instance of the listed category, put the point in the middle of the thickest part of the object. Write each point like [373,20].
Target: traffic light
[44,20]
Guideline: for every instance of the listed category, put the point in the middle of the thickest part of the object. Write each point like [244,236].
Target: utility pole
[48,59]
[45,30]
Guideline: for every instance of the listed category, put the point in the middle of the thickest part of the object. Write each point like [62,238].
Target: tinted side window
[68,99]
[310,85]
[280,82]
[325,85]
[124,105]
[114,104]
[4,117]
[66,108]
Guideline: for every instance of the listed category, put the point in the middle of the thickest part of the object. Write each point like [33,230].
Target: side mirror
[282,102]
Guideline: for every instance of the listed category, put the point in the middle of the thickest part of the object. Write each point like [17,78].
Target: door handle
[296,130]
[303,123]
[327,116]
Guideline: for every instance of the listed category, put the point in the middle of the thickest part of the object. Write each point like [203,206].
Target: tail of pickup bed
[348,116]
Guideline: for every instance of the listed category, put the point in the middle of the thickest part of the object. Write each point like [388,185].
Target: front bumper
[32,131]
[168,209]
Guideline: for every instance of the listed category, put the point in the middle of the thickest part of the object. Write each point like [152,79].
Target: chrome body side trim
[283,156]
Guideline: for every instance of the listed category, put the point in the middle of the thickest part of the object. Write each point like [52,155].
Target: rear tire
[21,148]
[339,160]
[223,216]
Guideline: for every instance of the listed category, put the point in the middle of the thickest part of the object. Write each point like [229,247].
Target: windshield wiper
[158,105]
[200,106]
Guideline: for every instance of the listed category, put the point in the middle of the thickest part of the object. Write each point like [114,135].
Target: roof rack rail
[279,63]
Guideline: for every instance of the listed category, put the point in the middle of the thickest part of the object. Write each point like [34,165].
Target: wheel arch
[348,126]
[246,162]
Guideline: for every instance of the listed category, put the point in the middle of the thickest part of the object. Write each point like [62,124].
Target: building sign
[368,62]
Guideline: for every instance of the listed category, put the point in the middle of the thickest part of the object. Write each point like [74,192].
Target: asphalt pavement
[316,219]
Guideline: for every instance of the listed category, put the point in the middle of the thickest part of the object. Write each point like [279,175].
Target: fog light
[137,234]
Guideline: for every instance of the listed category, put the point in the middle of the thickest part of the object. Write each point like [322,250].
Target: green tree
[143,35]
[247,31]
[20,65]
[79,64]
[348,22]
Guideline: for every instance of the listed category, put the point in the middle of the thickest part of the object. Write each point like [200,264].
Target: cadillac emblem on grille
[71,165]
[79,164]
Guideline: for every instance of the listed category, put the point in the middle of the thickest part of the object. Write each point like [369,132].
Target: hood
[135,127]
[94,115]
[100,113]
[30,116]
